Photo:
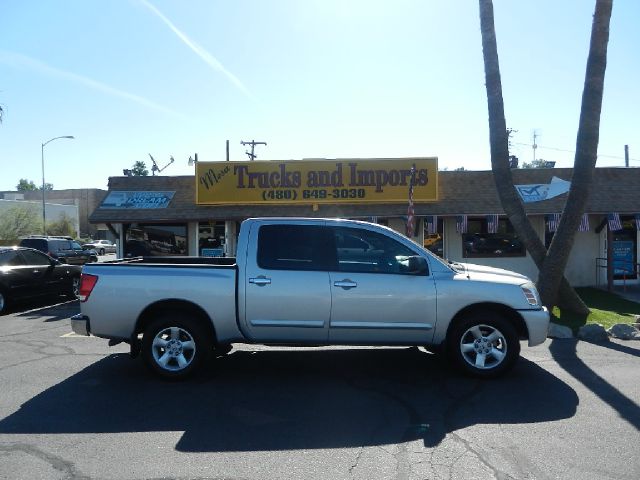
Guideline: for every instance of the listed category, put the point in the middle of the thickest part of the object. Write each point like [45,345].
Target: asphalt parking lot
[73,408]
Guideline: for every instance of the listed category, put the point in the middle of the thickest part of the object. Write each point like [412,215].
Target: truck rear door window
[296,247]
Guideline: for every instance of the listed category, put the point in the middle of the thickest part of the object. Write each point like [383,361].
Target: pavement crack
[356,461]
[497,474]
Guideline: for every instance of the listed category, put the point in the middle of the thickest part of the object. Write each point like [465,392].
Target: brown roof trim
[615,189]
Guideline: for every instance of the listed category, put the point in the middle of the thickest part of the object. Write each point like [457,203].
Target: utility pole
[535,145]
[626,156]
[253,143]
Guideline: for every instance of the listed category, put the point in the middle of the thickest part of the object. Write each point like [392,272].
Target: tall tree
[537,163]
[17,222]
[139,169]
[62,226]
[547,262]
[25,185]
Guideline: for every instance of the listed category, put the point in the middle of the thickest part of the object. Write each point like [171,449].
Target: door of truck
[287,293]
[374,299]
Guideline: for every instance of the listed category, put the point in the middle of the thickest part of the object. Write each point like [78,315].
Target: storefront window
[434,241]
[155,239]
[211,239]
[478,243]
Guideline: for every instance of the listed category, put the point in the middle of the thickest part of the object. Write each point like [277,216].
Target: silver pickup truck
[311,282]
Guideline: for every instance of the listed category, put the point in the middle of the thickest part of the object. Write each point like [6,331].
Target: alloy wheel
[173,349]
[483,347]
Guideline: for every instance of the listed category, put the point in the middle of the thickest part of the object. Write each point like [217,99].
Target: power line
[616,157]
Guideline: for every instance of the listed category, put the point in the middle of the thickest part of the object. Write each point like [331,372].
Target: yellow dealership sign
[317,181]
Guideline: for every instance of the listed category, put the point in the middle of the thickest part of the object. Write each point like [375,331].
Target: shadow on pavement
[293,399]
[621,348]
[565,354]
[53,308]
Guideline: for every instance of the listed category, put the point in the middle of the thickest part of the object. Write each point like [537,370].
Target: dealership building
[458,214]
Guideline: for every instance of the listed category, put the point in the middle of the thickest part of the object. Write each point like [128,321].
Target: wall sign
[316,181]
[622,256]
[543,191]
[212,252]
[130,200]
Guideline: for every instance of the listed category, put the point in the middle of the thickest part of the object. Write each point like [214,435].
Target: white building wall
[53,211]
[581,267]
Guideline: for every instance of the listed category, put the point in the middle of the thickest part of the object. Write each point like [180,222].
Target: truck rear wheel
[483,344]
[174,345]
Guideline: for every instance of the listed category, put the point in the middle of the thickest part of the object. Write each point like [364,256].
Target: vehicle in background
[63,249]
[311,282]
[433,242]
[26,273]
[101,246]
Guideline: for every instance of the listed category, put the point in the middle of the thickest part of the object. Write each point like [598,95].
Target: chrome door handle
[346,284]
[260,281]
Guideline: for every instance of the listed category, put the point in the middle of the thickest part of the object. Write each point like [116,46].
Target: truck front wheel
[174,346]
[483,344]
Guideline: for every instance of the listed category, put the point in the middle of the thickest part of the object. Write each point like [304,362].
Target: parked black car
[63,249]
[26,273]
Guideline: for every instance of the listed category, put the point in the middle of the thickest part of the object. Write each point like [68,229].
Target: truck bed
[174,260]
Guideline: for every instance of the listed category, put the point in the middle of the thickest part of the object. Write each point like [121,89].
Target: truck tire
[175,345]
[4,301]
[483,344]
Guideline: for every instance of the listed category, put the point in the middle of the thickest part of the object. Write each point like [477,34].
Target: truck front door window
[360,250]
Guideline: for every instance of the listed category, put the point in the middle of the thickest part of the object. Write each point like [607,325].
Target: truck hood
[483,273]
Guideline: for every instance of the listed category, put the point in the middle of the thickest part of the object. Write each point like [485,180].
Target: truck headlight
[531,294]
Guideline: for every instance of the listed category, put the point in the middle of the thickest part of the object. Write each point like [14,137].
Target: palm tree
[554,288]
[586,154]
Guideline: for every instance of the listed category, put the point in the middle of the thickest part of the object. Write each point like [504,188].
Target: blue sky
[312,78]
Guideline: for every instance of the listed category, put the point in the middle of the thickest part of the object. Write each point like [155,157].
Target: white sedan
[101,246]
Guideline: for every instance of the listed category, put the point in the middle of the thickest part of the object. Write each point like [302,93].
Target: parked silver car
[101,246]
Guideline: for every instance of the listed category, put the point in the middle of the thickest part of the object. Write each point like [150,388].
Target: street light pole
[44,215]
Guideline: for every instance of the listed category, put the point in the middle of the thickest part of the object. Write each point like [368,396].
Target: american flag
[492,223]
[461,224]
[613,219]
[411,214]
[553,219]
[638,222]
[584,223]
[431,224]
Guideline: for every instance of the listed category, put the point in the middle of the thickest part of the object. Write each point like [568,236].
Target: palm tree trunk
[499,141]
[586,155]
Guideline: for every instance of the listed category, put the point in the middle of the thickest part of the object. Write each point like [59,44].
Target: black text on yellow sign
[317,181]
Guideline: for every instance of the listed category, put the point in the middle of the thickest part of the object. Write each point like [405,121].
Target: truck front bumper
[537,322]
[80,325]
